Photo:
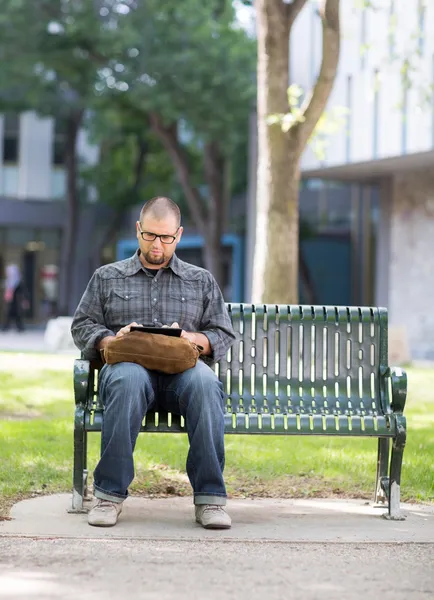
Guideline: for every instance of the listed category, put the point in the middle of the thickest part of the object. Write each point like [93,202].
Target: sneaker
[105,513]
[212,516]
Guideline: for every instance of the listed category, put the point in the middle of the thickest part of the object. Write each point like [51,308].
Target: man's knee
[204,387]
[202,374]
[125,376]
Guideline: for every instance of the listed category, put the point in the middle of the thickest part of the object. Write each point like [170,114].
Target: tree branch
[213,171]
[293,10]
[170,142]
[142,153]
[315,103]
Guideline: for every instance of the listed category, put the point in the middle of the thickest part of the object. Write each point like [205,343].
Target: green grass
[36,420]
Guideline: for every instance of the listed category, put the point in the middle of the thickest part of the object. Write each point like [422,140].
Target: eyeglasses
[148,236]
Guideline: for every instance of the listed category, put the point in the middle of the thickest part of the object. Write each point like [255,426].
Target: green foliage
[295,114]
[44,66]
[186,61]
[132,165]
[330,122]
[185,64]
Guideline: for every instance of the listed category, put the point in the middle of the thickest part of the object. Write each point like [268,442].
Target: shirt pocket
[123,307]
[185,306]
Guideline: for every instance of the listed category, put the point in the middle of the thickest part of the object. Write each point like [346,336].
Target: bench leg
[382,483]
[79,491]
[85,470]
[398,446]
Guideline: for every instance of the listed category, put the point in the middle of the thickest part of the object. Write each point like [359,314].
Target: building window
[392,30]
[432,102]
[58,183]
[58,175]
[421,26]
[11,144]
[59,142]
[376,121]
[406,82]
[363,36]
[11,130]
[349,131]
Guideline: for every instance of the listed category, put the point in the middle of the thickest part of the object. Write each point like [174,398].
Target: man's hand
[105,342]
[196,338]
[185,334]
[109,338]
[126,329]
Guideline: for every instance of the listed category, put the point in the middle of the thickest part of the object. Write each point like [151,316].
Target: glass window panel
[50,238]
[59,152]
[19,236]
[58,183]
[10,150]
[11,124]
[59,142]
[9,181]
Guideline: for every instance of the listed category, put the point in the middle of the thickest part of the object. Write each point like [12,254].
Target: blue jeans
[128,391]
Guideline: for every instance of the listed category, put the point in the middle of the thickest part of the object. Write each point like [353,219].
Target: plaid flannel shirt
[123,292]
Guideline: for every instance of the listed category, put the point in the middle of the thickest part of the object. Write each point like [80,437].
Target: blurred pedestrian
[15,298]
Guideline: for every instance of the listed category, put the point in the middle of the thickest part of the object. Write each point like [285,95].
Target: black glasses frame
[153,236]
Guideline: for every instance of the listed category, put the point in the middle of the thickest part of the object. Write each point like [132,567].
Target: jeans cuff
[101,495]
[209,499]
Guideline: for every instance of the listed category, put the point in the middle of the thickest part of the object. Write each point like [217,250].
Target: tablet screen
[163,330]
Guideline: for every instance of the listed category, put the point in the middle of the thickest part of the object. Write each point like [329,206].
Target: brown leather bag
[153,351]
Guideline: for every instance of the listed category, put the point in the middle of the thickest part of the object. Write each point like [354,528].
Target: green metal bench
[294,370]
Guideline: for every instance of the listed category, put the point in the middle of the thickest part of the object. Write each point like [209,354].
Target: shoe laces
[213,508]
[105,505]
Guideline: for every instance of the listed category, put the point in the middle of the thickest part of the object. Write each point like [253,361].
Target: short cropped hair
[160,207]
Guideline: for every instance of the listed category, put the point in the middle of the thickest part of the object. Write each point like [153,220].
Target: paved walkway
[301,549]
[31,340]
[291,549]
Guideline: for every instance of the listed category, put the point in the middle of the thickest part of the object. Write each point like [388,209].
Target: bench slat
[272,424]
[293,358]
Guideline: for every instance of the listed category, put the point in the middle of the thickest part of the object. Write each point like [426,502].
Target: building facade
[376,170]
[32,208]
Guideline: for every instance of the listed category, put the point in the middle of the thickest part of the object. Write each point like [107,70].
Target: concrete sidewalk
[301,549]
[30,340]
[316,520]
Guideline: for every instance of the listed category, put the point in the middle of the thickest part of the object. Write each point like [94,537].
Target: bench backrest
[291,359]
[292,369]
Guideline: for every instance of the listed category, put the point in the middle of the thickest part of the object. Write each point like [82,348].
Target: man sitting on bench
[156,287]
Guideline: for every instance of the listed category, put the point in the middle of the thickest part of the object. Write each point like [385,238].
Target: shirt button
[154,300]
[182,299]
[126,297]
[155,320]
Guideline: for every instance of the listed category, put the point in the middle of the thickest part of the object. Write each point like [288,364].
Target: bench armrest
[399,389]
[81,381]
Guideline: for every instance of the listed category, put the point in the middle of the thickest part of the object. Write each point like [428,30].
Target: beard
[154,260]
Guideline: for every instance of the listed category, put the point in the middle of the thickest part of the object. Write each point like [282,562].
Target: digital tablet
[174,331]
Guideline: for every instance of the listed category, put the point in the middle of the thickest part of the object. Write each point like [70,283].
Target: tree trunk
[210,220]
[275,269]
[277,252]
[67,260]
[106,237]
[112,226]
[169,139]
[214,166]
